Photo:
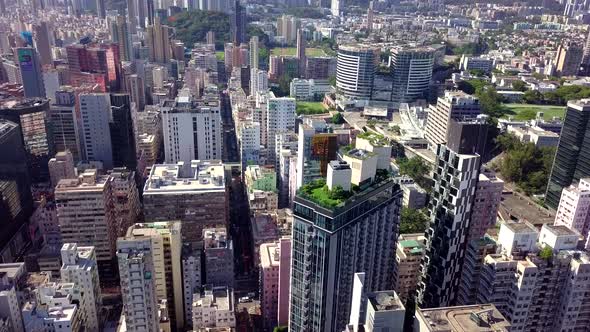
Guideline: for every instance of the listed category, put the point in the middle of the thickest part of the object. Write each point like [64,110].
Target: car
[244,299]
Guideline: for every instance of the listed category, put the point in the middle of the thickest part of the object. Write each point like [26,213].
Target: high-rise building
[355,71]
[219,257]
[570,164]
[94,63]
[95,109]
[41,40]
[166,248]
[273,261]
[411,71]
[210,37]
[409,254]
[575,7]
[573,211]
[15,184]
[335,8]
[13,276]
[301,52]
[192,128]
[121,131]
[254,48]
[280,117]
[127,206]
[568,59]
[454,105]
[249,139]
[136,89]
[320,68]
[370,16]
[122,37]
[258,81]
[138,284]
[455,180]
[61,167]
[80,268]
[192,279]
[32,116]
[158,41]
[238,24]
[488,196]
[287,26]
[86,215]
[477,250]
[65,124]
[316,148]
[333,241]
[214,309]
[193,193]
[30,71]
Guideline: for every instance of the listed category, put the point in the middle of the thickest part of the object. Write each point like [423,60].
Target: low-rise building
[470,318]
[219,258]
[539,137]
[214,308]
[409,254]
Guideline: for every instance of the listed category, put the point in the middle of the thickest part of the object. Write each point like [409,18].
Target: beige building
[409,253]
[214,309]
[61,167]
[194,194]
[158,41]
[166,247]
[470,318]
[85,211]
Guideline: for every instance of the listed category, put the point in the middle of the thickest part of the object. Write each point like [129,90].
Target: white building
[95,109]
[80,268]
[10,275]
[258,81]
[192,129]
[249,139]
[280,117]
[192,279]
[61,167]
[214,308]
[310,90]
[574,209]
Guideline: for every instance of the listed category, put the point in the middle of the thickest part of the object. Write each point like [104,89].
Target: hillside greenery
[192,27]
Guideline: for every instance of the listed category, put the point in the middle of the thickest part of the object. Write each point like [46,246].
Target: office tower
[334,240]
[210,37]
[192,129]
[101,8]
[41,41]
[409,254]
[14,175]
[80,268]
[570,164]
[192,279]
[238,24]
[94,64]
[12,277]
[136,89]
[95,109]
[301,52]
[30,71]
[166,248]
[65,125]
[568,59]
[274,261]
[335,8]
[455,180]
[546,275]
[121,37]
[214,309]
[356,71]
[138,284]
[411,71]
[477,250]
[316,148]
[121,131]
[575,7]
[480,317]
[454,105]
[192,193]
[61,167]
[158,41]
[280,118]
[287,26]
[573,211]
[254,52]
[219,257]
[85,210]
[32,116]
[320,68]
[488,196]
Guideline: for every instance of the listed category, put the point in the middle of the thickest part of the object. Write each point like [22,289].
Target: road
[246,272]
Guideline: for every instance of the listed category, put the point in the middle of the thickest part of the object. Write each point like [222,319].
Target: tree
[417,169]
[532,97]
[477,72]
[491,102]
[338,118]
[192,26]
[281,329]
[332,80]
[413,221]
[519,86]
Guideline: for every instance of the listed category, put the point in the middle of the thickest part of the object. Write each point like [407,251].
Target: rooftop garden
[374,138]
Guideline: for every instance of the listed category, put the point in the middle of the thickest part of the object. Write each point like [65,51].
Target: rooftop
[520,227]
[374,138]
[198,177]
[269,254]
[385,301]
[470,318]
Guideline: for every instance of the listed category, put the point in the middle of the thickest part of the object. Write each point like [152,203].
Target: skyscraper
[30,70]
[41,39]
[32,116]
[301,52]
[571,163]
[355,71]
[158,42]
[411,70]
[568,59]
[121,36]
[332,243]
[280,117]
[65,125]
[95,109]
[254,52]
[238,24]
[121,131]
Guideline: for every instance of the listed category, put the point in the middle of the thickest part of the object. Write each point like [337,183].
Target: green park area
[529,111]
[292,51]
[220,55]
[310,107]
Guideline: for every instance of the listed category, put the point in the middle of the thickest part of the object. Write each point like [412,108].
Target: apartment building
[409,254]
[192,279]
[488,195]
[219,257]
[573,211]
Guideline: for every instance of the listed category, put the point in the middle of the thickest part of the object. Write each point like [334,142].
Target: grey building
[411,69]
[30,70]
[219,257]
